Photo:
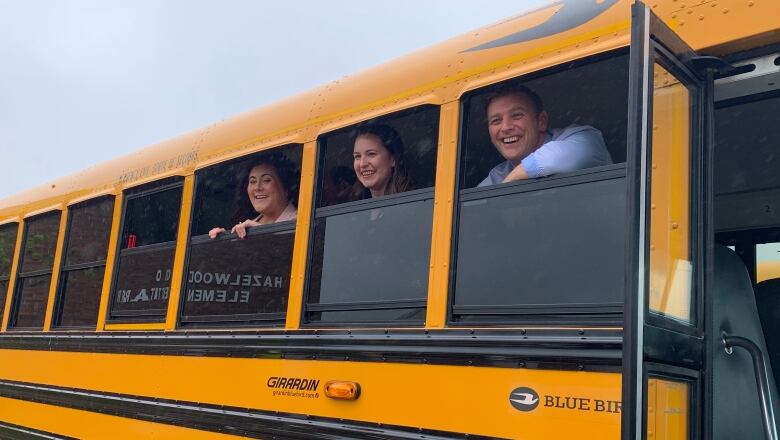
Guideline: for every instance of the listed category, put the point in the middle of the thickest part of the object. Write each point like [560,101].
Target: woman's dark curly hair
[288,176]
[399,181]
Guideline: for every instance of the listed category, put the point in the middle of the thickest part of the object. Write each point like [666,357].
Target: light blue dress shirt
[565,149]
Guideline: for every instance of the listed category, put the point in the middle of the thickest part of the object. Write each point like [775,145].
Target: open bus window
[81,279]
[148,242]
[243,281]
[371,248]
[551,245]
[32,291]
[8,233]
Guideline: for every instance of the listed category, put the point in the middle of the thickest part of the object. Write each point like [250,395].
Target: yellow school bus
[252,278]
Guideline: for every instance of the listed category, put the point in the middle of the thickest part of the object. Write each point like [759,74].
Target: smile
[367,173]
[510,139]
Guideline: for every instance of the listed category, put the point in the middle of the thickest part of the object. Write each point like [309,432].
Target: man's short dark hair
[517,89]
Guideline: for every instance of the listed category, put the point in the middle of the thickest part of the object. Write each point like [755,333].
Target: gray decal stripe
[573,13]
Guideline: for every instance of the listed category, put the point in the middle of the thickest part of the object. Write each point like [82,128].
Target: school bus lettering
[293,383]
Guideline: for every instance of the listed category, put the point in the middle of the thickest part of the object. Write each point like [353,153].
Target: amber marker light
[342,390]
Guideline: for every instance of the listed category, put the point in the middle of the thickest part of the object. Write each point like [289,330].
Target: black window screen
[233,281]
[81,279]
[543,251]
[143,275]
[8,233]
[371,255]
[32,291]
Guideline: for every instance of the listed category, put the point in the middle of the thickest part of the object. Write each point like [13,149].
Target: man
[517,123]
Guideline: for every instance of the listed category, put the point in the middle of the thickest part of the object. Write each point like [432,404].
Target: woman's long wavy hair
[399,181]
[287,176]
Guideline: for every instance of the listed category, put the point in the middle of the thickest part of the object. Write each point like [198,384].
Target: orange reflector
[342,389]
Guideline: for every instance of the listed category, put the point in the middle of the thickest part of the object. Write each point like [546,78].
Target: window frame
[66,268]
[140,316]
[247,320]
[318,212]
[565,314]
[7,279]
[572,314]
[21,276]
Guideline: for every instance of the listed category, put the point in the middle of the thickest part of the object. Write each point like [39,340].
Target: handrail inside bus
[762,380]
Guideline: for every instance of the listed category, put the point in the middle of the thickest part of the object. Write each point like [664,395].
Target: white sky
[84,81]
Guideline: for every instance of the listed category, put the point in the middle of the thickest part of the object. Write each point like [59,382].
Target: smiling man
[517,123]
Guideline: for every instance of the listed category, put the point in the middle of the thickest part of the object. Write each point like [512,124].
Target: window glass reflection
[671,267]
[31,303]
[7,246]
[90,228]
[81,297]
[560,246]
[40,242]
[143,279]
[376,255]
[240,279]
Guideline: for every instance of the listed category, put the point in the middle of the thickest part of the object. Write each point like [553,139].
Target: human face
[516,130]
[266,192]
[373,164]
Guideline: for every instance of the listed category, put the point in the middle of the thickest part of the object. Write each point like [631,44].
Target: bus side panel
[88,425]
[500,402]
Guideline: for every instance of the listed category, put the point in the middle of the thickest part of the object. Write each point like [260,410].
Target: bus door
[670,107]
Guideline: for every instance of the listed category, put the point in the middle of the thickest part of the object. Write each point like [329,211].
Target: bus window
[81,279]
[767,261]
[242,281]
[146,250]
[549,244]
[32,291]
[372,237]
[8,234]
[670,262]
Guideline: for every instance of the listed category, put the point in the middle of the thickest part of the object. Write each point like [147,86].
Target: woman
[265,196]
[378,161]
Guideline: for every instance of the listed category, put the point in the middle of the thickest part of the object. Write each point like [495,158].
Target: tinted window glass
[380,254]
[40,242]
[559,246]
[576,94]
[90,228]
[32,301]
[416,132]
[3,296]
[81,279]
[143,279]
[7,244]
[81,297]
[239,279]
[152,218]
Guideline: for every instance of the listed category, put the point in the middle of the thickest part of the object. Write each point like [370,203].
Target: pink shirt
[289,213]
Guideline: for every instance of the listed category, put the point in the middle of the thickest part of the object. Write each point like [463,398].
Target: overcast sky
[84,81]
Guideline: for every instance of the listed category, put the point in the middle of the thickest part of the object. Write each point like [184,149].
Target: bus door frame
[653,344]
